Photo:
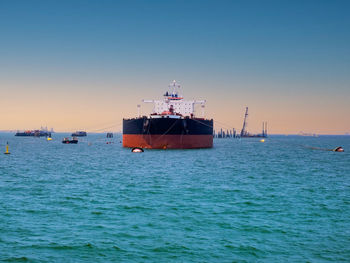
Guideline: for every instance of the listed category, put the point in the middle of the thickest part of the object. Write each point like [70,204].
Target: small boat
[67,140]
[79,134]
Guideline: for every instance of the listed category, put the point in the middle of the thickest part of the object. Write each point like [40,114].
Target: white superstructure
[174,104]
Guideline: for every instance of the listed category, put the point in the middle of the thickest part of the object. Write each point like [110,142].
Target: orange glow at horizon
[69,109]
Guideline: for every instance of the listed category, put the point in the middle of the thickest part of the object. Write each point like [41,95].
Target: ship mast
[243,131]
[174,89]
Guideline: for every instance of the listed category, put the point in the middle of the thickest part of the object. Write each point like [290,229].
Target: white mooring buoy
[137,150]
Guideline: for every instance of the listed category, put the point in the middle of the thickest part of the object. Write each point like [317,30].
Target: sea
[283,200]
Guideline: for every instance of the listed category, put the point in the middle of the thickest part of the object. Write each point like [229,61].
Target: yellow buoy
[262,140]
[7,149]
[49,139]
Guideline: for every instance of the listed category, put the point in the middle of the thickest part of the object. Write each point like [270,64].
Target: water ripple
[242,201]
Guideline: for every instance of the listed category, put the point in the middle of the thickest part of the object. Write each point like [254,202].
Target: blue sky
[288,61]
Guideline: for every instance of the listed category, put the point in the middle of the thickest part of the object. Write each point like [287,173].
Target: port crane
[245,133]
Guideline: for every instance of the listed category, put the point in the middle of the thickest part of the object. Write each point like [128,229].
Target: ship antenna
[138,110]
[174,88]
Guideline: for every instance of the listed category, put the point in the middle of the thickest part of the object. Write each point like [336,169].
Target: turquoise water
[242,201]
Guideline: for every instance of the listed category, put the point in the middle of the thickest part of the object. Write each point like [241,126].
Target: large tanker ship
[171,125]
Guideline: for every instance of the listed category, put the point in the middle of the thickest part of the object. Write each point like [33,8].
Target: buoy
[164,147]
[338,149]
[137,150]
[49,139]
[262,140]
[7,149]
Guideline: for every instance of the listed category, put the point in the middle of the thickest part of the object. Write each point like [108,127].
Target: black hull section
[167,126]
[167,133]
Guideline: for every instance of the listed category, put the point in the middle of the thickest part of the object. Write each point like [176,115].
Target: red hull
[167,141]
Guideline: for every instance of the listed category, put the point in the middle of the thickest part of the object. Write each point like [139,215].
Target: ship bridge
[173,104]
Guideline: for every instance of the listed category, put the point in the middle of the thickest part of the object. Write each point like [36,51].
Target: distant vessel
[307,134]
[79,134]
[67,140]
[36,133]
[246,134]
[172,125]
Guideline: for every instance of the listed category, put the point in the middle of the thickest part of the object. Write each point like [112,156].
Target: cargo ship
[79,134]
[35,133]
[171,125]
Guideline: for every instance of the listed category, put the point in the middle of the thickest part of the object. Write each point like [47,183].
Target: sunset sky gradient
[87,64]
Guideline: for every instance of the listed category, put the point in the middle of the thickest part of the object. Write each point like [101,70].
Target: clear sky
[87,64]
